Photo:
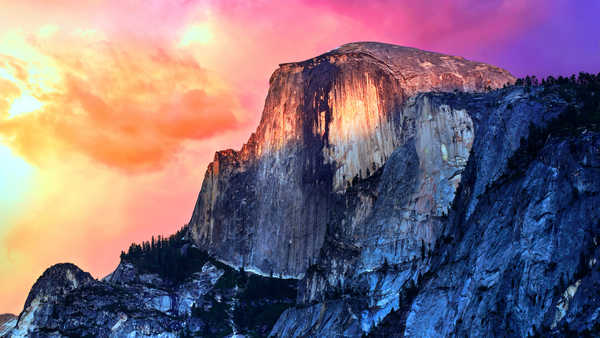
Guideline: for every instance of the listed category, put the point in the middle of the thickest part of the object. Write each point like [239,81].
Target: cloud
[9,91]
[127,105]
[443,24]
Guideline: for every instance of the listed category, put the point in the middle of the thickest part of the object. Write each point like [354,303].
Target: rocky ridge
[210,300]
[512,250]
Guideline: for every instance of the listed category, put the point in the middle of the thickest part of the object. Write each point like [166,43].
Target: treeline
[580,79]
[152,247]
[171,257]
[582,94]
[582,112]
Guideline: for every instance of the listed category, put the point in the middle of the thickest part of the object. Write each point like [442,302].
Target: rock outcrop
[328,121]
[518,241]
[208,299]
[7,323]
[525,234]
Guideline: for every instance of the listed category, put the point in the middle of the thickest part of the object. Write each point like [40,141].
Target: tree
[385,266]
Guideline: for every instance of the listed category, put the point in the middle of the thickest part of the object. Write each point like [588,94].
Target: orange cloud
[119,130]
[126,105]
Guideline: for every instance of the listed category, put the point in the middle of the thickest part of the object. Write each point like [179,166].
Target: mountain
[327,121]
[387,191]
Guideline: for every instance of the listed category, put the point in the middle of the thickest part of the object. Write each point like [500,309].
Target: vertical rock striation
[328,122]
[515,255]
[7,323]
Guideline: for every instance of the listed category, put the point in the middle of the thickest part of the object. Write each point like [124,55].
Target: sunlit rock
[328,121]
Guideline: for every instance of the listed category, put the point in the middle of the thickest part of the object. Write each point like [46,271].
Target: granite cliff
[328,121]
[516,243]
[387,191]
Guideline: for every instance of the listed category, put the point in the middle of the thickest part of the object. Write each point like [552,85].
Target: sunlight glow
[196,34]
[23,105]
[47,31]
[14,181]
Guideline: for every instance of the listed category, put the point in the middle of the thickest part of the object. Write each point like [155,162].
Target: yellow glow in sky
[24,104]
[47,31]
[196,34]
[14,181]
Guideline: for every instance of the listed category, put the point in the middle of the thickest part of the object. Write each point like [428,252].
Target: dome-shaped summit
[58,279]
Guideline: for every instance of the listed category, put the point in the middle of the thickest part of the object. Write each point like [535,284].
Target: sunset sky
[110,111]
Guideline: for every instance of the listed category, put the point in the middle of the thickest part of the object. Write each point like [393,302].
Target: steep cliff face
[519,241]
[525,235]
[530,243]
[328,122]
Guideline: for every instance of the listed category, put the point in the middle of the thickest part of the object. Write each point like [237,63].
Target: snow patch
[563,304]
[72,279]
[122,319]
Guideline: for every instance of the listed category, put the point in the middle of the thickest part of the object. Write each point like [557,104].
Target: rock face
[328,121]
[520,238]
[211,300]
[62,305]
[525,235]
[401,195]
[7,323]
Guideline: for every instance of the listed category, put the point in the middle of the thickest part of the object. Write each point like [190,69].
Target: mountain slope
[143,297]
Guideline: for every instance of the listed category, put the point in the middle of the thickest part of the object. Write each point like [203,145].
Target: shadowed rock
[328,121]
[7,323]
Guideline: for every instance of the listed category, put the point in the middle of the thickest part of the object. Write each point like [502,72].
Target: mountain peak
[327,121]
[390,195]
[58,278]
[419,70]
[375,47]
[409,62]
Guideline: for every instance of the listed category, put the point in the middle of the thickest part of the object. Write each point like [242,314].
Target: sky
[110,111]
